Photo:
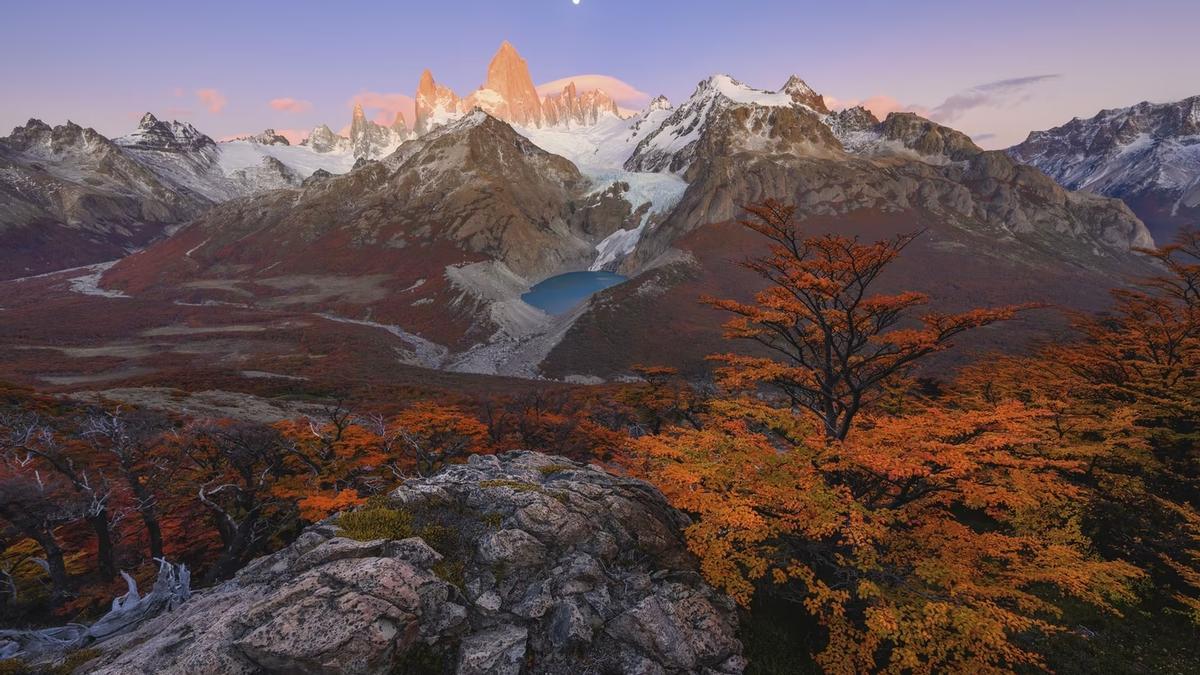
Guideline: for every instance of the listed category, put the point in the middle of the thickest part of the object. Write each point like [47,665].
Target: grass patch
[554,468]
[377,522]
[452,572]
[515,485]
[68,665]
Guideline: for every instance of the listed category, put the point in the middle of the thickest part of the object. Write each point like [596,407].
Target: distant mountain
[994,231]
[70,197]
[508,94]
[437,241]
[431,236]
[1147,155]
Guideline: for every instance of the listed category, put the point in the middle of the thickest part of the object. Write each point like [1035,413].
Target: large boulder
[517,563]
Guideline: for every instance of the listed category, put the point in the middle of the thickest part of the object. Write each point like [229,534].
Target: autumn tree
[133,441]
[1125,399]
[35,507]
[30,439]
[925,535]
[234,467]
[433,435]
[922,543]
[832,341]
[661,398]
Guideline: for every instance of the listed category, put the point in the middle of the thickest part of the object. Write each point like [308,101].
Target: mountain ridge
[1147,154]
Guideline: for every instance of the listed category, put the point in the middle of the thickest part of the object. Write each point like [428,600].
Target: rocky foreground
[518,563]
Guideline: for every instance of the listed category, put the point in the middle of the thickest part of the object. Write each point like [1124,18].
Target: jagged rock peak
[399,124]
[435,104]
[659,102]
[509,92]
[265,137]
[322,139]
[927,137]
[55,139]
[569,107]
[155,134]
[803,94]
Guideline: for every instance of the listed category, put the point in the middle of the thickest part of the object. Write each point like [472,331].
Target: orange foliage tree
[925,537]
[834,344]
[1125,399]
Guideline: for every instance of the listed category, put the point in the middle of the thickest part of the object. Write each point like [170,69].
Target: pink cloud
[879,105]
[212,99]
[289,104]
[382,108]
[619,90]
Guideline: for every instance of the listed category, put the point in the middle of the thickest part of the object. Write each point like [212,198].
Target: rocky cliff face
[323,140]
[265,137]
[736,145]
[508,93]
[1147,155]
[521,563]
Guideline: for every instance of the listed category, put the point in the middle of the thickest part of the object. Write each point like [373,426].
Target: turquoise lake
[558,294]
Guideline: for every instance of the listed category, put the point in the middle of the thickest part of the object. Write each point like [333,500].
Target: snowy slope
[303,161]
[672,145]
[194,164]
[600,151]
[1147,154]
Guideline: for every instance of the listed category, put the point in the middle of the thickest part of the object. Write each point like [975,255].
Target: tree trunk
[235,550]
[105,556]
[57,567]
[154,531]
[149,515]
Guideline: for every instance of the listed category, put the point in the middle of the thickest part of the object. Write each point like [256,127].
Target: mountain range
[1147,155]
[426,238]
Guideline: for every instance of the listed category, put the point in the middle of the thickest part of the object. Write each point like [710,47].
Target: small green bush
[452,572]
[376,522]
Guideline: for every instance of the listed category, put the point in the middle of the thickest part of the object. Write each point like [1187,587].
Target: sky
[995,70]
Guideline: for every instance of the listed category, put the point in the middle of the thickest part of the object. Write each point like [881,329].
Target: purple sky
[992,69]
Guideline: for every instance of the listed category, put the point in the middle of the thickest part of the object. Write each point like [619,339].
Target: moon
[575,2]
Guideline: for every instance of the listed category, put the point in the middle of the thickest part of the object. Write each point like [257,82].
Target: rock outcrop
[519,563]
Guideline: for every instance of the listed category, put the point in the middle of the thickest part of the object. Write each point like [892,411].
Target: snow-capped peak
[671,146]
[659,102]
[154,134]
[727,87]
